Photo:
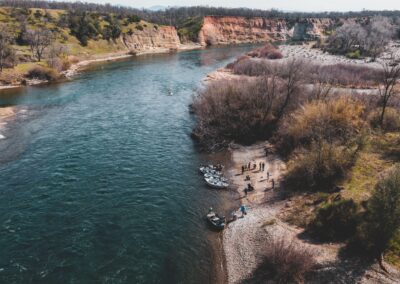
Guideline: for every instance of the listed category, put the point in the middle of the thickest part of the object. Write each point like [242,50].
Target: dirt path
[245,239]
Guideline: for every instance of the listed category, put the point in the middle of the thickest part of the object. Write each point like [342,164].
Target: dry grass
[319,167]
[42,73]
[391,120]
[334,120]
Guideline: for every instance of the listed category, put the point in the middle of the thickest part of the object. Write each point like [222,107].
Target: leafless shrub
[239,110]
[247,109]
[57,57]
[239,59]
[267,51]
[292,73]
[344,75]
[380,31]
[386,85]
[289,261]
[350,35]
[275,55]
[39,40]
[250,67]
[325,75]
[369,37]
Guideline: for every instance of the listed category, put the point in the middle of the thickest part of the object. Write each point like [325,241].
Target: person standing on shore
[242,170]
[243,210]
[273,184]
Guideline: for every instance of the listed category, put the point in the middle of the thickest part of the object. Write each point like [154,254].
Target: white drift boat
[216,182]
[214,177]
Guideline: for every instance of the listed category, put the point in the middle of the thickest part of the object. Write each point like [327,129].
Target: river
[99,176]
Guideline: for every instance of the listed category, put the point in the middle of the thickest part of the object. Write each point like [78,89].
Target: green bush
[381,220]
[354,54]
[189,29]
[336,221]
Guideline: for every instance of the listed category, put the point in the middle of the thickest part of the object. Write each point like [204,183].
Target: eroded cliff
[220,30]
[230,30]
[152,38]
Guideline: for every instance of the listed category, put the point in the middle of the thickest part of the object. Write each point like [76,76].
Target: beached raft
[213,176]
[215,220]
[216,182]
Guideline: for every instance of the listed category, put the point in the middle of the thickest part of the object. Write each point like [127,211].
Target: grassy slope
[94,48]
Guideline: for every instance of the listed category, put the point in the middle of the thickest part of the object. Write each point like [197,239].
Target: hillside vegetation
[41,43]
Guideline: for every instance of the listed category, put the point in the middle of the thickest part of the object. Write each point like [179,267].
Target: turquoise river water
[99,176]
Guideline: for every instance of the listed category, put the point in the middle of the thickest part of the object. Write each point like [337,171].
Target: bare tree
[386,85]
[322,82]
[293,74]
[38,41]
[347,36]
[379,32]
[371,37]
[5,41]
[54,54]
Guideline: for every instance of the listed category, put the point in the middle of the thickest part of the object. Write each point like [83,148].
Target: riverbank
[85,62]
[245,240]
[318,56]
[81,65]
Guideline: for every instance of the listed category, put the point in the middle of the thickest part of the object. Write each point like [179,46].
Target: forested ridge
[177,15]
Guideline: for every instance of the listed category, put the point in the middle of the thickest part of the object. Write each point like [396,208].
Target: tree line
[177,15]
[364,36]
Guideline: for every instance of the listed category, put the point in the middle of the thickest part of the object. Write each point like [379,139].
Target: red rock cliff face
[231,30]
[151,38]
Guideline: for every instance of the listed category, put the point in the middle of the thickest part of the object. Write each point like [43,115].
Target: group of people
[250,167]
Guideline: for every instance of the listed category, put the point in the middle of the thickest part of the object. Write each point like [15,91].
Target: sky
[286,5]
